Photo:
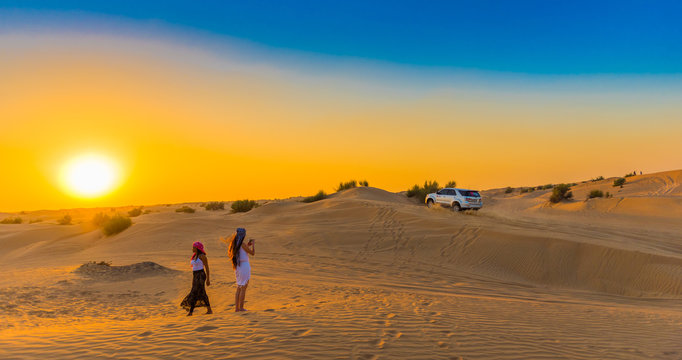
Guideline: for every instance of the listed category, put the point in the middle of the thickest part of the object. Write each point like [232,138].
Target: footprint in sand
[205,328]
[378,343]
[368,356]
[301,332]
[394,334]
[146,333]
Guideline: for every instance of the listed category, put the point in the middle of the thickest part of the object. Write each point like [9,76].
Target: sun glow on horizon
[90,176]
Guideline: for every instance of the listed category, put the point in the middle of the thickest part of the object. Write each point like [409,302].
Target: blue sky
[530,37]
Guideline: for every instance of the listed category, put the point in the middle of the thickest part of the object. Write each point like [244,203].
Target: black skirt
[197,296]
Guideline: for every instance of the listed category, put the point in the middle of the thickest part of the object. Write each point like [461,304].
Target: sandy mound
[373,194]
[104,271]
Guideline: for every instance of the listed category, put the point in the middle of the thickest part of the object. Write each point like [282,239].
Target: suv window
[452,192]
[440,192]
[469,193]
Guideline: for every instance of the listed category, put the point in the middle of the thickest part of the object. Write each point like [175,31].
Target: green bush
[630,174]
[596,194]
[413,191]
[561,192]
[524,190]
[65,220]
[508,190]
[101,263]
[364,183]
[619,182]
[100,219]
[35,221]
[598,178]
[451,184]
[135,212]
[243,205]
[215,205]
[116,224]
[547,187]
[608,195]
[421,192]
[317,197]
[347,185]
[185,209]
[11,220]
[147,212]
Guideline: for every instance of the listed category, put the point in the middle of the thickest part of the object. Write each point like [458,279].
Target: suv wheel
[429,203]
[456,207]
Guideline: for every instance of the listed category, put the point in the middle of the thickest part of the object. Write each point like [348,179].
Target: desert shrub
[101,263]
[215,205]
[135,212]
[561,192]
[185,209]
[630,174]
[35,221]
[598,178]
[524,190]
[411,192]
[619,182]
[317,197]
[364,183]
[508,190]
[347,185]
[116,224]
[11,220]
[100,219]
[147,212]
[421,192]
[451,184]
[243,205]
[547,187]
[531,189]
[595,194]
[608,195]
[65,220]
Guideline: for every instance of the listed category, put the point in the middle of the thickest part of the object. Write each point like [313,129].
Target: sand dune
[657,196]
[363,274]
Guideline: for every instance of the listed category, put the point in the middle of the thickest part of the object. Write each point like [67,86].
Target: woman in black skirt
[197,296]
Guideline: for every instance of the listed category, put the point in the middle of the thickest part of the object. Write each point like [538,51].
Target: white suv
[458,199]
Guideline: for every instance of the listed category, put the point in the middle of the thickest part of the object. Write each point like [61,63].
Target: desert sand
[364,274]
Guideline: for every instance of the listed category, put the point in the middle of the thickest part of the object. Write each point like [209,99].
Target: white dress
[243,270]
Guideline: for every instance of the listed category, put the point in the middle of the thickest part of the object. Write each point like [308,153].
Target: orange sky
[187,123]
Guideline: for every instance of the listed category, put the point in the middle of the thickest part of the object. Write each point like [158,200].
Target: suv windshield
[469,193]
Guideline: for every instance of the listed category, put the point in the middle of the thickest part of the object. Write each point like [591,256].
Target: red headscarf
[199,247]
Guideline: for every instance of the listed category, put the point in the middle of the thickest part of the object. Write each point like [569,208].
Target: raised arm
[252,249]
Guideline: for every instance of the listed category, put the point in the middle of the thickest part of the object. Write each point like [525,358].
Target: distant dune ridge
[365,274]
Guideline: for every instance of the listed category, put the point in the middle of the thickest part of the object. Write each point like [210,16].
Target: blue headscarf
[241,234]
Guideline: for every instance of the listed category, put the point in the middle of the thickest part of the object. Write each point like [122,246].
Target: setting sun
[90,176]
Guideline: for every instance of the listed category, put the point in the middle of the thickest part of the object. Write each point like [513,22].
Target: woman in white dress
[238,252]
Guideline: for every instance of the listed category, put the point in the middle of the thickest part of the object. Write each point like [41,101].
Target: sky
[231,100]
